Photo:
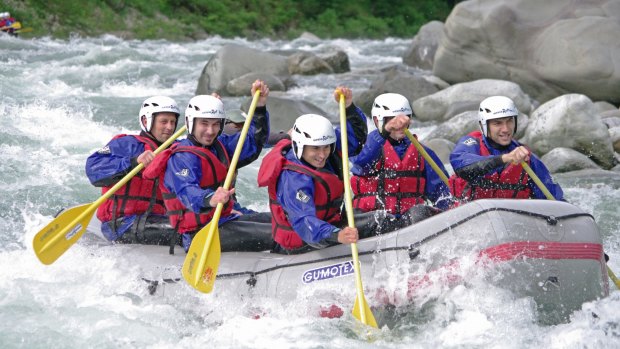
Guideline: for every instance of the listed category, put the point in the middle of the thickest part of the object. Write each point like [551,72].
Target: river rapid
[63,99]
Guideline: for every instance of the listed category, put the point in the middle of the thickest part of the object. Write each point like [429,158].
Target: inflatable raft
[550,251]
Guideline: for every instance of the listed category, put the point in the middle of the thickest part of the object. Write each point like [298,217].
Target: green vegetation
[194,19]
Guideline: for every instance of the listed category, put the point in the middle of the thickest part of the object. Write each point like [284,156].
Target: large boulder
[603,106]
[457,127]
[233,61]
[570,121]
[307,63]
[614,135]
[409,82]
[611,122]
[329,61]
[441,147]
[561,160]
[241,86]
[549,48]
[467,96]
[421,52]
[337,59]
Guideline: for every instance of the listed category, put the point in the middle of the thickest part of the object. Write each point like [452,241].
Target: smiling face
[501,130]
[163,126]
[316,155]
[206,130]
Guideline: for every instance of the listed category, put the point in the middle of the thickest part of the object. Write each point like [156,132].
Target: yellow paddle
[61,233]
[203,258]
[427,157]
[23,30]
[17,26]
[548,195]
[361,310]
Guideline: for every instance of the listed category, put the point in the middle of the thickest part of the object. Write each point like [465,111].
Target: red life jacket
[138,196]
[395,185]
[328,192]
[510,183]
[214,170]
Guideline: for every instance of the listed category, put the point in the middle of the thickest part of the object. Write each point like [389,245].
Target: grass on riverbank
[195,19]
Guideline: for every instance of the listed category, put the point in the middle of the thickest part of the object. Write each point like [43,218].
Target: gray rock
[307,36]
[421,52]
[411,83]
[455,99]
[570,121]
[233,61]
[549,48]
[241,86]
[441,147]
[457,127]
[614,135]
[307,63]
[611,122]
[338,60]
[364,99]
[565,160]
[602,106]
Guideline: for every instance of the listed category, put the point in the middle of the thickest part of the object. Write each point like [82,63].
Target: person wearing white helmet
[303,177]
[389,173]
[192,173]
[487,163]
[7,23]
[128,215]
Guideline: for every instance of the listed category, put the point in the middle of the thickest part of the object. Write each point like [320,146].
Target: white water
[61,100]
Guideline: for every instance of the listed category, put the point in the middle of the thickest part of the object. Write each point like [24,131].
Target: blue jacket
[187,186]
[469,164]
[111,163]
[302,214]
[364,163]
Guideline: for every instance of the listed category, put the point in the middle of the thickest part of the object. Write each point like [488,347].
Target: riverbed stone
[570,121]
[550,48]
[232,61]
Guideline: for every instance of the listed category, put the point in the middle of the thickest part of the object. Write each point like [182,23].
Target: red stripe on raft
[544,250]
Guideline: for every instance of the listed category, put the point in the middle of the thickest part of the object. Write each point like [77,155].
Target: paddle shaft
[89,211]
[233,166]
[349,210]
[427,157]
[191,275]
[537,180]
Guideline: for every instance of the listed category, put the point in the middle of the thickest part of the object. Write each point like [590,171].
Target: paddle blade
[56,238]
[203,258]
[367,315]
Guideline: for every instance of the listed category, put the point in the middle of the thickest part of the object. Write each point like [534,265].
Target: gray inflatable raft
[548,250]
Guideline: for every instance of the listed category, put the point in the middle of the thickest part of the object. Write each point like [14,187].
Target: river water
[61,100]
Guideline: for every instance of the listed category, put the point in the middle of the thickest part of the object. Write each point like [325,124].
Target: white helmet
[312,129]
[496,107]
[153,105]
[389,105]
[204,107]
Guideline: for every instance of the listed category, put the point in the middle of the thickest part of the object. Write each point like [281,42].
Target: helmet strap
[295,150]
